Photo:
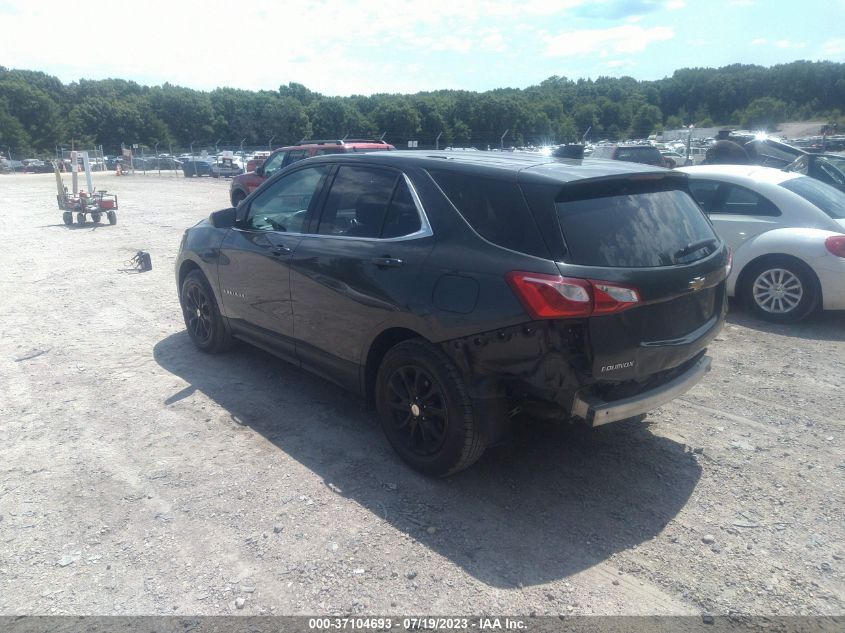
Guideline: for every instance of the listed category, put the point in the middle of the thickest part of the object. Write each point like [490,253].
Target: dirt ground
[138,476]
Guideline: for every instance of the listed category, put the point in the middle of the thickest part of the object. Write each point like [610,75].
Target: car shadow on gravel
[553,501]
[820,326]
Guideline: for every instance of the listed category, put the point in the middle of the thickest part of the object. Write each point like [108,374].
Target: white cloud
[618,39]
[759,41]
[834,47]
[789,44]
[741,3]
[674,5]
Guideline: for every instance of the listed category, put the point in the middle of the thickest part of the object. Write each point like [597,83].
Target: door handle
[279,250]
[386,261]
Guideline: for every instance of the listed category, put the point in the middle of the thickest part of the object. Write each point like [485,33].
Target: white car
[787,232]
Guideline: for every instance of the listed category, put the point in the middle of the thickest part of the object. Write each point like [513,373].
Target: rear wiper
[694,246]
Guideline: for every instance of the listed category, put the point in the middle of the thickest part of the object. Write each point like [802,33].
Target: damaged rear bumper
[595,411]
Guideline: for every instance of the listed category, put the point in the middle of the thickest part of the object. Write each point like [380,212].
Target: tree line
[38,112]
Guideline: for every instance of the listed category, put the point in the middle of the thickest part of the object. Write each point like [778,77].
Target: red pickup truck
[245,184]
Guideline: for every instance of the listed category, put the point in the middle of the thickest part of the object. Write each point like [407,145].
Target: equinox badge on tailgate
[625,365]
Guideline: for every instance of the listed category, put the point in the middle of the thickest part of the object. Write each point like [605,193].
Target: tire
[67,218]
[237,197]
[96,216]
[202,317]
[780,290]
[416,375]
[112,216]
[80,218]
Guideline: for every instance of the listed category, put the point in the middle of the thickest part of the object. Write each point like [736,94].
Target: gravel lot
[138,476]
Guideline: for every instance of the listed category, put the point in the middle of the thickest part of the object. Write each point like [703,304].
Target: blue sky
[370,46]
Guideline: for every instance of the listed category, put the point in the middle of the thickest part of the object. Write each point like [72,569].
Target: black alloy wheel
[418,410]
[425,410]
[202,317]
[198,314]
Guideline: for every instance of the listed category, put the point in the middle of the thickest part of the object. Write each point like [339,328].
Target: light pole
[689,140]
[270,142]
[437,141]
[502,140]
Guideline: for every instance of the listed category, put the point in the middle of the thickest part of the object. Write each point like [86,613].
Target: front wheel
[112,216]
[80,218]
[425,410]
[67,218]
[780,290]
[95,217]
[202,316]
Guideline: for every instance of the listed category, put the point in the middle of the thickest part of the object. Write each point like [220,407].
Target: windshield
[635,227]
[827,198]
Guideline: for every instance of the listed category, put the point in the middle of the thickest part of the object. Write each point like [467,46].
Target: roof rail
[307,141]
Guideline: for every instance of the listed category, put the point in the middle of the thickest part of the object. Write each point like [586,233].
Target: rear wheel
[67,218]
[780,290]
[425,410]
[202,316]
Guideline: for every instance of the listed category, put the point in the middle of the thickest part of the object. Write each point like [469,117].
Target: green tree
[764,114]
[647,118]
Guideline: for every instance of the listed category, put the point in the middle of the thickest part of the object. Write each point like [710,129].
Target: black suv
[458,290]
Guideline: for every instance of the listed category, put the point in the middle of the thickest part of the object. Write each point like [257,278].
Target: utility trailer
[84,203]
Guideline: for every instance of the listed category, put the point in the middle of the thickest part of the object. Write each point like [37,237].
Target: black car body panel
[331,303]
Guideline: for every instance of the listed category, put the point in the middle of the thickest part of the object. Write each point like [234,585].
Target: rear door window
[723,197]
[295,156]
[358,202]
[495,209]
[633,225]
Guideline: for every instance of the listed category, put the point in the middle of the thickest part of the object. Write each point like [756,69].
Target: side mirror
[223,219]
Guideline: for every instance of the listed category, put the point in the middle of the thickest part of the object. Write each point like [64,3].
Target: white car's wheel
[780,290]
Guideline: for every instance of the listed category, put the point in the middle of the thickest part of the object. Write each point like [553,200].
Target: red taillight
[836,245]
[556,297]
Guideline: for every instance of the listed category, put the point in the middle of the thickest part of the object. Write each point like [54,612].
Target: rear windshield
[633,225]
[495,209]
[828,199]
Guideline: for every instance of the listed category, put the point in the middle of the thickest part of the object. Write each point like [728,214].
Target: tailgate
[681,314]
